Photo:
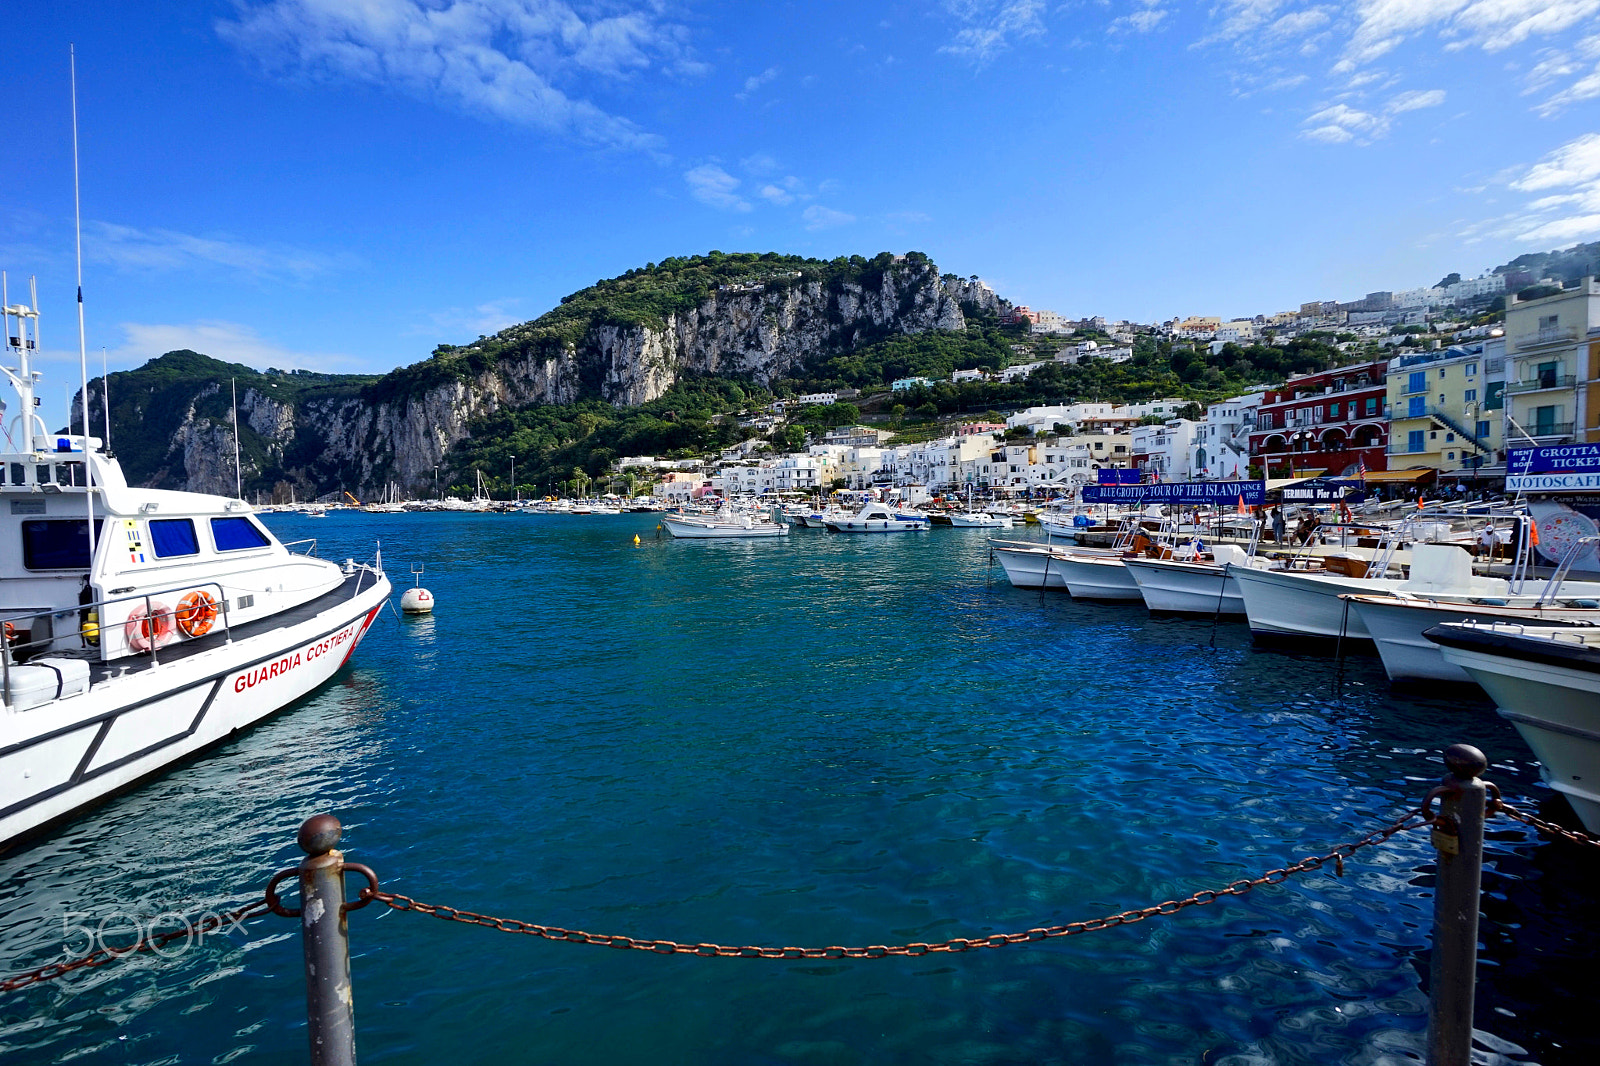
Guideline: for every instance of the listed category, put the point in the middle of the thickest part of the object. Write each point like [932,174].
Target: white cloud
[1574,163]
[1415,100]
[1147,18]
[1581,64]
[228,341]
[773,194]
[497,58]
[991,25]
[1493,25]
[756,81]
[818,217]
[715,187]
[1568,210]
[1340,123]
[484,319]
[130,248]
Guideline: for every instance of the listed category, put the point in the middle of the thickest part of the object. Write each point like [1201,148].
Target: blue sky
[342,186]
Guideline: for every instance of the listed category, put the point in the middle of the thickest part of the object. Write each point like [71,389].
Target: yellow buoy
[91,627]
[636,540]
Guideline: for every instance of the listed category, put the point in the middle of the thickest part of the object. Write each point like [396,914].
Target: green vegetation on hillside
[1565,265]
[641,297]
[555,444]
[150,403]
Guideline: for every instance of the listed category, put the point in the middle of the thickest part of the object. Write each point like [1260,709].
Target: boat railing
[312,541]
[10,648]
[1563,569]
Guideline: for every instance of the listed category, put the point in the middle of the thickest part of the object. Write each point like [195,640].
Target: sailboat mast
[238,474]
[83,350]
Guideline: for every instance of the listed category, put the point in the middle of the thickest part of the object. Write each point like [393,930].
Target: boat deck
[347,589]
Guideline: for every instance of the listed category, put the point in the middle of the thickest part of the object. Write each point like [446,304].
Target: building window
[1472,370]
[1417,407]
[1448,437]
[1372,406]
[1441,373]
[1418,381]
[1470,395]
[1414,441]
[1451,456]
[1483,429]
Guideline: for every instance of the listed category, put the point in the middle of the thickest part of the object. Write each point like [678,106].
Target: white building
[1167,448]
[958,376]
[1221,446]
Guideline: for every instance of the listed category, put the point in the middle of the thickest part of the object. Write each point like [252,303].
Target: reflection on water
[824,739]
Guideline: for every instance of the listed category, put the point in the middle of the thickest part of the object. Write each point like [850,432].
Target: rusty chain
[153,942]
[1499,805]
[1412,820]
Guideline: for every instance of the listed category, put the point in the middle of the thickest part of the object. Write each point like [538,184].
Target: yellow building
[1445,408]
[1553,376]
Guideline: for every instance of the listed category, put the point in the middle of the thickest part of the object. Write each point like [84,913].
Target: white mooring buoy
[417,600]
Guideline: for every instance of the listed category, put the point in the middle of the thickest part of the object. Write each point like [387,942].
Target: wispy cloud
[753,83]
[715,187]
[1565,186]
[1580,67]
[1493,25]
[818,217]
[228,341]
[131,248]
[484,319]
[1144,19]
[495,58]
[989,26]
[1341,123]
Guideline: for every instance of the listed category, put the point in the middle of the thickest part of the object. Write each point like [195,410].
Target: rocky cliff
[626,341]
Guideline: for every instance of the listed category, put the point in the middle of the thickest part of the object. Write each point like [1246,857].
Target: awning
[1274,484]
[1413,476]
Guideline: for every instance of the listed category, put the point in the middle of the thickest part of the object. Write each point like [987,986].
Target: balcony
[1543,430]
[1541,338]
[1543,381]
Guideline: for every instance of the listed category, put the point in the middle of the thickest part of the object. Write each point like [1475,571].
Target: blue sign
[1557,468]
[1118,476]
[1325,490]
[1254,493]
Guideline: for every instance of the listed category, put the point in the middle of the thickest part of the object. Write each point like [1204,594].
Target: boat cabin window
[234,534]
[173,536]
[57,543]
[19,475]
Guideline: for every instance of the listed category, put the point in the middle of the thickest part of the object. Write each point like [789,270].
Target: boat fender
[91,628]
[148,627]
[197,612]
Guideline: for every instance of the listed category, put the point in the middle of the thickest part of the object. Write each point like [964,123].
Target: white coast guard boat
[141,625]
[878,518]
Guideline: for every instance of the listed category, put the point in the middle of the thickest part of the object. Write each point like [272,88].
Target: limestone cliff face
[761,331]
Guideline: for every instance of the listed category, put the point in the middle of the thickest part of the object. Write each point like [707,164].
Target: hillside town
[1430,397]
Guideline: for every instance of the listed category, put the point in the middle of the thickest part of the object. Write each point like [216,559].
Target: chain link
[1501,806]
[1412,820]
[153,942]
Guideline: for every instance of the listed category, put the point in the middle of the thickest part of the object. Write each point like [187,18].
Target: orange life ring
[148,627]
[196,613]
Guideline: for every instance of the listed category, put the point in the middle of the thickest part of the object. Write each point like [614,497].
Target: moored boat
[142,625]
[878,518]
[1546,682]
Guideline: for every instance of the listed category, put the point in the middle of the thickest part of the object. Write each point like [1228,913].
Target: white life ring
[148,627]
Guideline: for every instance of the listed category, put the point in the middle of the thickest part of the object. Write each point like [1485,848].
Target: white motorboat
[1397,624]
[878,518]
[1310,603]
[141,626]
[1030,566]
[727,523]
[1192,586]
[979,520]
[1546,682]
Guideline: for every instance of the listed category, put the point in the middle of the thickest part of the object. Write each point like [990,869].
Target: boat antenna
[105,396]
[238,475]
[83,351]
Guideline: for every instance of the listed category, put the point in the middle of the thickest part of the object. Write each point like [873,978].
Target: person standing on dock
[1279,526]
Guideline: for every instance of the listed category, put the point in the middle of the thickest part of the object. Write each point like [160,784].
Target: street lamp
[1471,412]
[514,477]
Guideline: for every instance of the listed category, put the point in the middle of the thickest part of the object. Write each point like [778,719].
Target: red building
[1323,423]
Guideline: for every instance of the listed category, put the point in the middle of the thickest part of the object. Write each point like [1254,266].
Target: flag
[1533,533]
[1361,467]
[1241,504]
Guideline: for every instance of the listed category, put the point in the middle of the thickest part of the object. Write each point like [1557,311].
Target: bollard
[1458,836]
[330,1009]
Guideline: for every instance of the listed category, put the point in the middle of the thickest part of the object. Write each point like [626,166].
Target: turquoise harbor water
[825,740]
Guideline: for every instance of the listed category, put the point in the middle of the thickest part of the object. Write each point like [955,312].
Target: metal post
[330,1008]
[1458,836]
